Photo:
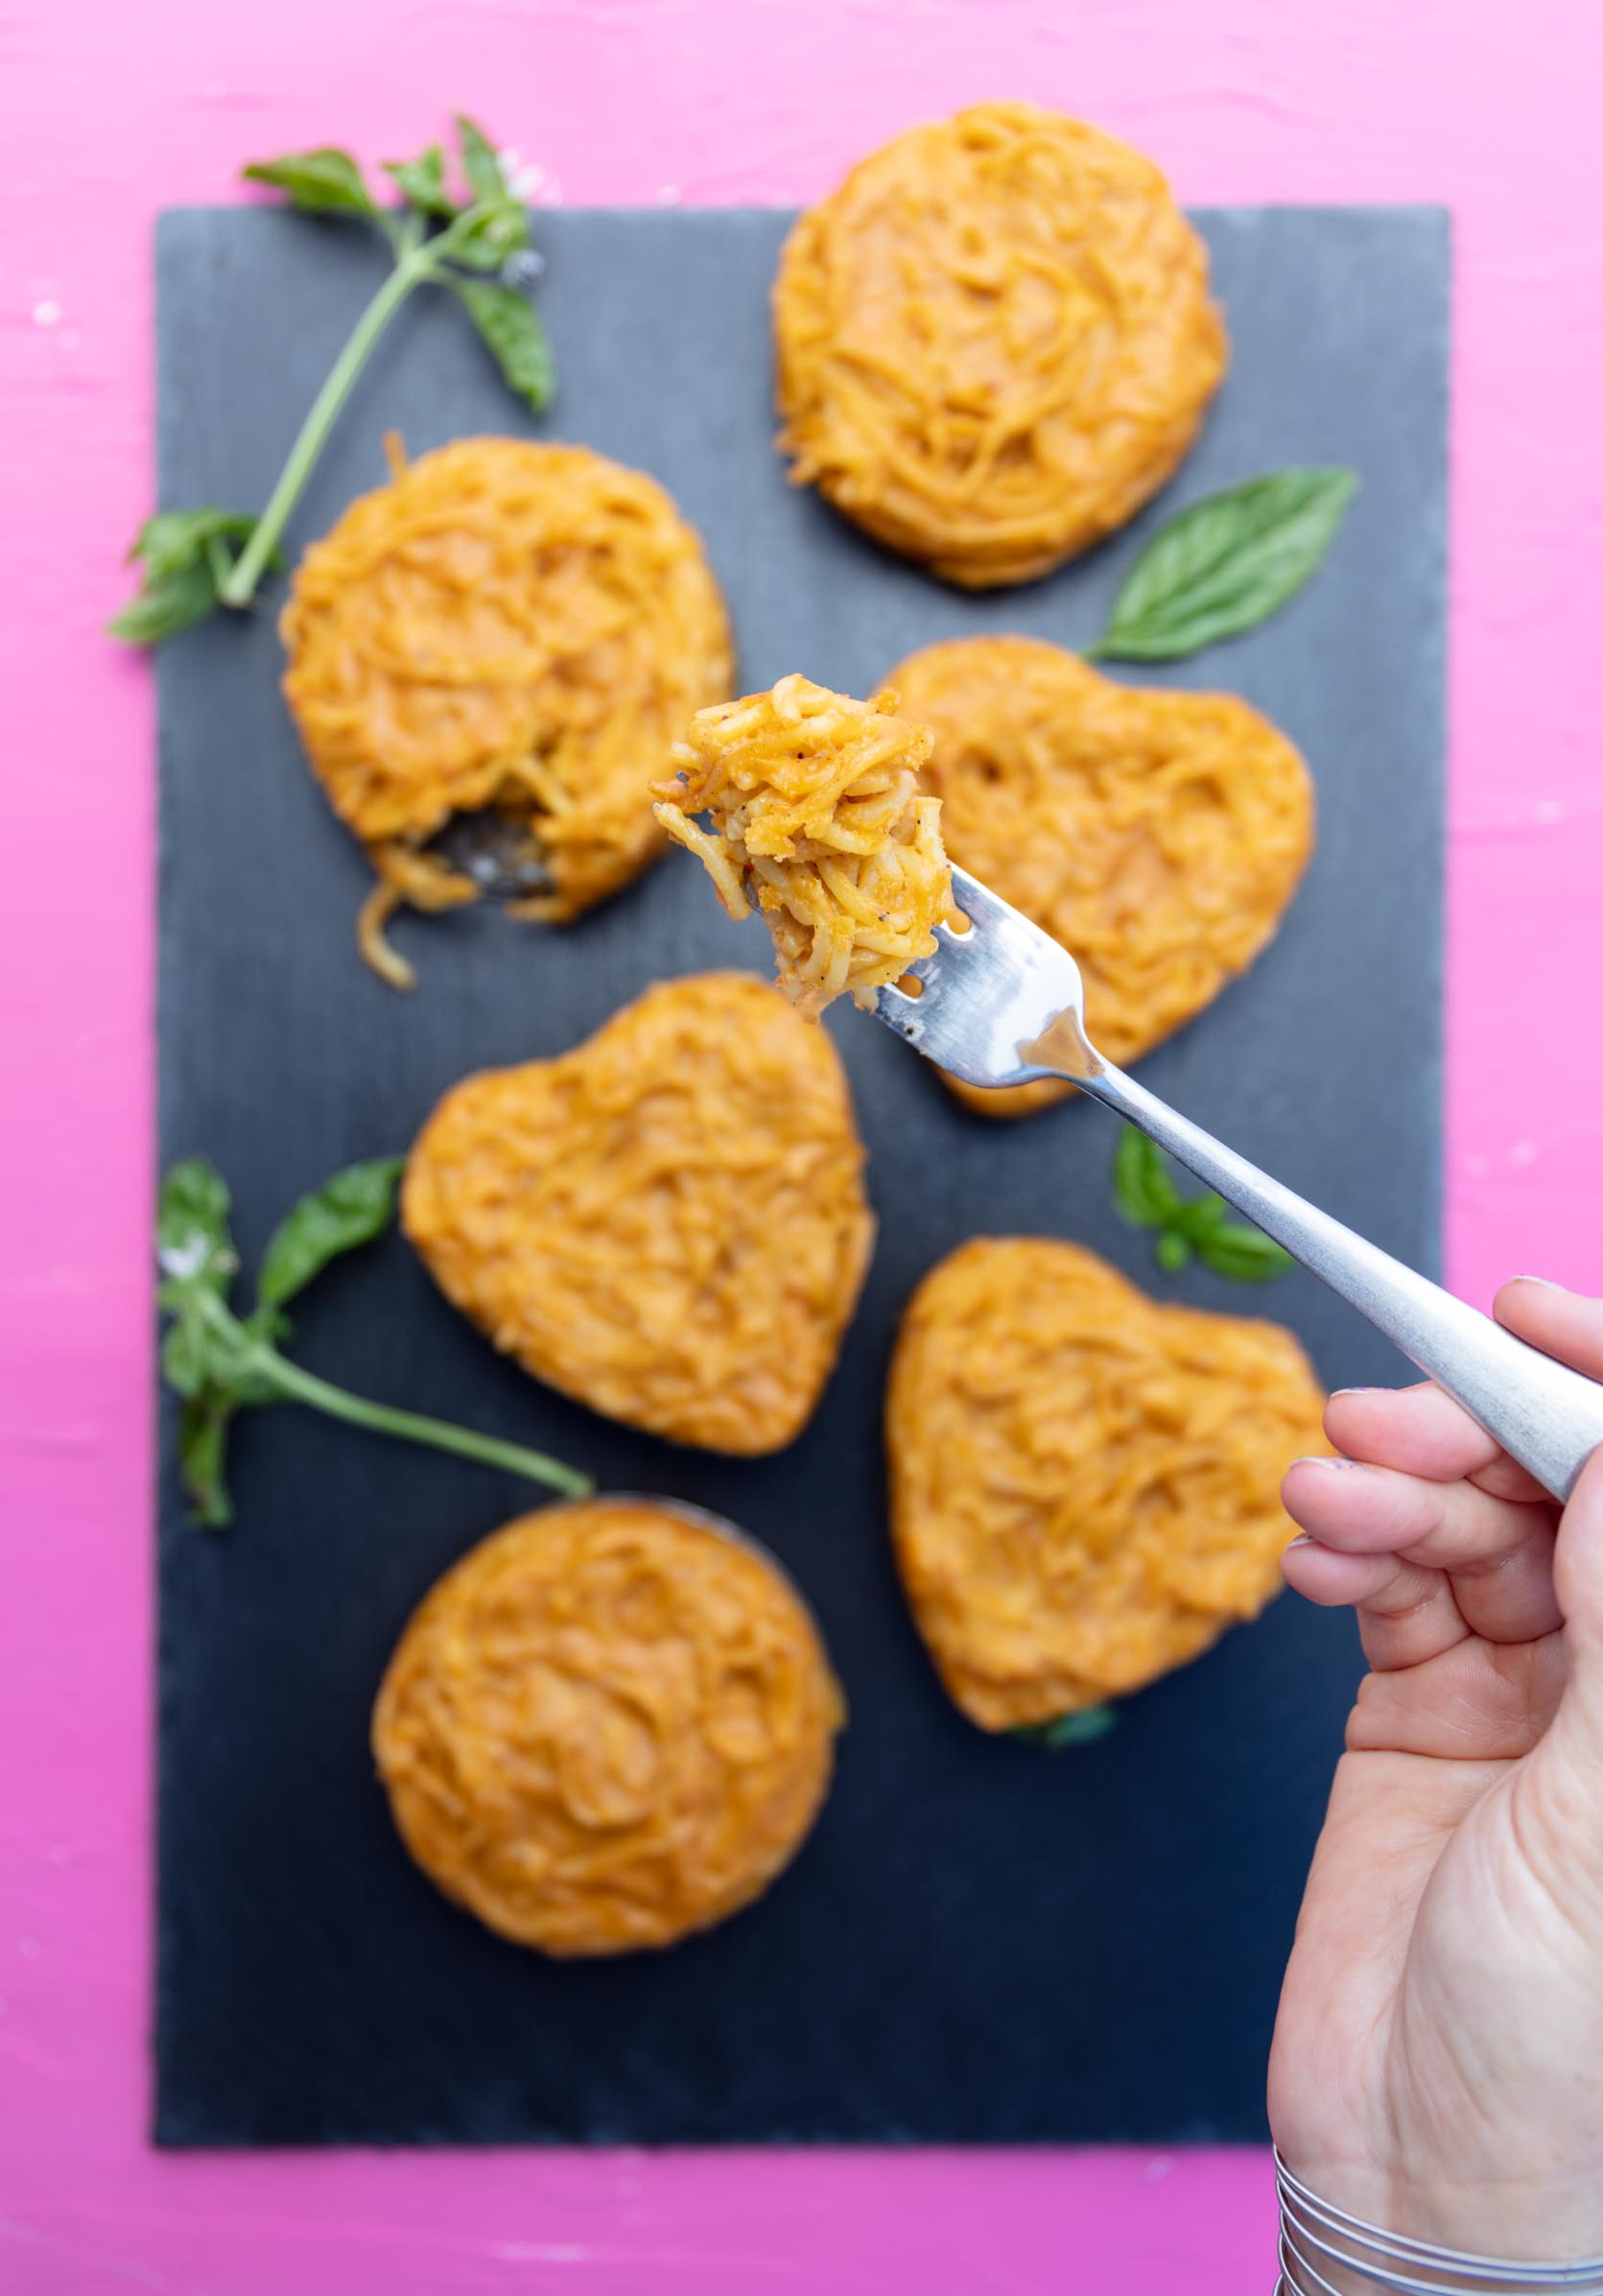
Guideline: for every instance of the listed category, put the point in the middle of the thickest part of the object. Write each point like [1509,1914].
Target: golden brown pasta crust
[815,813]
[995,342]
[1158,836]
[668,1224]
[1085,1487]
[509,624]
[610,1724]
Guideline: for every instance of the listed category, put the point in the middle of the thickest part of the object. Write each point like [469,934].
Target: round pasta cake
[1085,1486]
[814,812]
[995,342]
[1158,836]
[508,629]
[610,1724]
[668,1222]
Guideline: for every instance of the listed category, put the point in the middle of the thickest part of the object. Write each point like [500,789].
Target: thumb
[1569,1326]
[1578,1583]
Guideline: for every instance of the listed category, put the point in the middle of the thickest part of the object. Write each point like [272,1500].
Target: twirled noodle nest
[816,813]
[506,627]
[995,342]
[1158,836]
[1085,1487]
[668,1222]
[610,1724]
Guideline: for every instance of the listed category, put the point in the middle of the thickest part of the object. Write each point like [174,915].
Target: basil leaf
[492,238]
[321,182]
[1226,563]
[512,327]
[203,1355]
[350,1209]
[185,1356]
[1082,1728]
[480,164]
[1145,1195]
[187,555]
[1244,1254]
[1200,1217]
[237,1371]
[422,182]
[203,1454]
[193,1240]
[165,606]
[1142,1190]
[174,540]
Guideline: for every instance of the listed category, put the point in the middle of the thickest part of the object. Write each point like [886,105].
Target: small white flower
[186,1259]
[192,1254]
[528,180]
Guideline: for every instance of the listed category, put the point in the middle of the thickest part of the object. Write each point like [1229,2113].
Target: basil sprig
[1225,564]
[1145,1191]
[222,1363]
[478,247]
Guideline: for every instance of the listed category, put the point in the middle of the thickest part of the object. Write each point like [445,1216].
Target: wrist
[1329,2250]
[1509,2205]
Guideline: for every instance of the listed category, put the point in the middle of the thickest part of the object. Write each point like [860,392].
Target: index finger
[1423,1431]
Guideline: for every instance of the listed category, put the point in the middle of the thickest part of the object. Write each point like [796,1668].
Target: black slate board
[982,1942]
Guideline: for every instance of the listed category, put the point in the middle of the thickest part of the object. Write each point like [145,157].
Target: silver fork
[1002,1004]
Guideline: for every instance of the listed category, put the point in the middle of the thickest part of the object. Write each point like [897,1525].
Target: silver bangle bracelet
[1318,2240]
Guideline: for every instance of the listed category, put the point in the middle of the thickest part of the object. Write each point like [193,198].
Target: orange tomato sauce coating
[668,1222]
[817,816]
[511,626]
[1085,1487]
[609,1725]
[1158,836]
[995,342]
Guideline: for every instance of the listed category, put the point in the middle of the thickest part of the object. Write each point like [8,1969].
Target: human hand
[1438,2059]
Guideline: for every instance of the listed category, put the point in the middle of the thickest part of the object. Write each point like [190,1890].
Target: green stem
[381,1419]
[416,260]
[252,563]
[415,1427]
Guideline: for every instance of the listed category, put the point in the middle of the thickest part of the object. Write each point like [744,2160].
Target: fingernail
[1325,1459]
[1339,1392]
[1546,1281]
[1303,1538]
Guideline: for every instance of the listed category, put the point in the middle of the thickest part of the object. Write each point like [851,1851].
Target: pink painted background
[108,111]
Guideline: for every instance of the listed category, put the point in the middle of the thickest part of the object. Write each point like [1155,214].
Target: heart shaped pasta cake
[1158,836]
[668,1222]
[1085,1487]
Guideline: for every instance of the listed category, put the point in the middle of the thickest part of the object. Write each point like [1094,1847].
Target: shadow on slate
[981,1941]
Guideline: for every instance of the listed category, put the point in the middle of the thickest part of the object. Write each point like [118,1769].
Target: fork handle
[1546,1415]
